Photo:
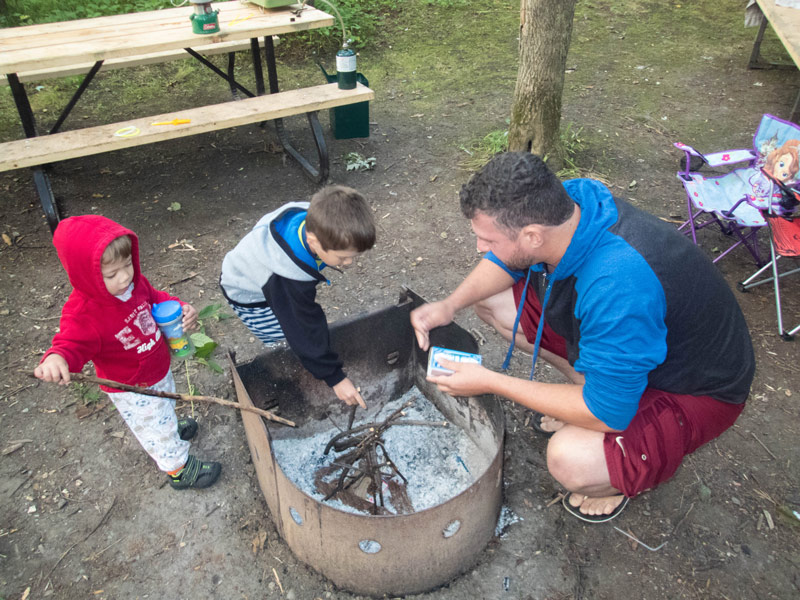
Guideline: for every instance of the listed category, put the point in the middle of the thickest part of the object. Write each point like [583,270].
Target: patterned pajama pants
[261,322]
[154,423]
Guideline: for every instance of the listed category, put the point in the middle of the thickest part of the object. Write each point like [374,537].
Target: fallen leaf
[98,196]
[417,116]
[7,240]
[258,541]
[25,594]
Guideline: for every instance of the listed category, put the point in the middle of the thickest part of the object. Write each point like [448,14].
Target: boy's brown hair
[341,219]
[119,249]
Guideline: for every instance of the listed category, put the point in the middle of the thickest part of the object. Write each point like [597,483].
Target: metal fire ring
[365,554]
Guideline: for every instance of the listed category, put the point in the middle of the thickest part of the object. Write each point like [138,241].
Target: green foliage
[212,312]
[362,20]
[357,162]
[31,12]
[203,345]
[87,394]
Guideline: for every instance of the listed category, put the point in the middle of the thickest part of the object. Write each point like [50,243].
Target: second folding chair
[784,242]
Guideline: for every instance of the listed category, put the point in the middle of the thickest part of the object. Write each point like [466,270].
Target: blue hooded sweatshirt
[639,305]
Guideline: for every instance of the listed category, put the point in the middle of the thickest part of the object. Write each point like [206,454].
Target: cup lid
[164,312]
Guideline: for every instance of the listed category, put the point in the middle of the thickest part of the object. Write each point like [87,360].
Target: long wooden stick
[185,397]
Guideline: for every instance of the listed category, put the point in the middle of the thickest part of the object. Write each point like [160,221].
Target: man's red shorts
[666,426]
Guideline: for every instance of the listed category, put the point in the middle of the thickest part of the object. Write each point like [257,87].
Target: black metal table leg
[46,198]
[317,175]
[40,179]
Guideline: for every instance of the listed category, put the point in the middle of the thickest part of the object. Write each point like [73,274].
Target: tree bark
[545,34]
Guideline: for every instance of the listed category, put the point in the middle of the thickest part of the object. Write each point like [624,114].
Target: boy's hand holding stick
[185,397]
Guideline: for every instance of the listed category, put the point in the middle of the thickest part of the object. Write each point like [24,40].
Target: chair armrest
[729,157]
[716,159]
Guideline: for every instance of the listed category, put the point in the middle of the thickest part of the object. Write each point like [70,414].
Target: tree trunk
[545,33]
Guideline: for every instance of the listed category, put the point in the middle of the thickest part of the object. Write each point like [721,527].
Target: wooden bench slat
[132,61]
[95,140]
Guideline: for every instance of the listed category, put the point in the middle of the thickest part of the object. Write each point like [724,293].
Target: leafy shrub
[31,12]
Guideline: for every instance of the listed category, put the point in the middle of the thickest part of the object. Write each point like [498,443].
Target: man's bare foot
[550,424]
[594,509]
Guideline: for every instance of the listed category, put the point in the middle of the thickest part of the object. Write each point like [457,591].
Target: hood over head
[80,242]
[598,213]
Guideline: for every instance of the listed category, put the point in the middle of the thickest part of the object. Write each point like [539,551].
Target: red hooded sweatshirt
[121,338]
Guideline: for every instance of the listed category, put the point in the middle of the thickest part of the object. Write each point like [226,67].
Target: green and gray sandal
[187,428]
[195,474]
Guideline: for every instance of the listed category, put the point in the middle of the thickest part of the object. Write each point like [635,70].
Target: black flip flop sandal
[576,512]
[536,423]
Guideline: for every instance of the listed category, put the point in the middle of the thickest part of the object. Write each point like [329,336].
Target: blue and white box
[435,369]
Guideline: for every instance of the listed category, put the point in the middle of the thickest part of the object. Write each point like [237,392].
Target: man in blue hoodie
[648,333]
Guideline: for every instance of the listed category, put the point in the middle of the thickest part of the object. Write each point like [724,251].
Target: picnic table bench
[86,46]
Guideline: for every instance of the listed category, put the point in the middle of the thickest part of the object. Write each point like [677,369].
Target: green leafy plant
[203,344]
[87,394]
[28,12]
[357,162]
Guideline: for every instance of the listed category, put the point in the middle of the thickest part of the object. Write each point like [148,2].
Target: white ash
[439,462]
[507,518]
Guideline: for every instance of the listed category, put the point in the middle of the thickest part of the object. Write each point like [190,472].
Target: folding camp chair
[784,242]
[734,201]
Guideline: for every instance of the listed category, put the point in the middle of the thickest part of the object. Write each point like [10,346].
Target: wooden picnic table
[85,45]
[785,22]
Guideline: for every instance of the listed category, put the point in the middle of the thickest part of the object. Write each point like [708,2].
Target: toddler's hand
[53,369]
[347,393]
[189,317]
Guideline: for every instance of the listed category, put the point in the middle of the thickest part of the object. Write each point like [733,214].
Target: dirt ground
[86,515]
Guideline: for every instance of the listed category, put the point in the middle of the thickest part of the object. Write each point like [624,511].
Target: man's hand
[189,317]
[430,316]
[469,379]
[53,369]
[347,393]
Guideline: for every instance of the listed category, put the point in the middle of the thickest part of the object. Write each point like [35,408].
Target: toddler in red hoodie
[107,319]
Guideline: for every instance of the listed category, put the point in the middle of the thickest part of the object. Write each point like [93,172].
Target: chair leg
[777,284]
[745,285]
[787,336]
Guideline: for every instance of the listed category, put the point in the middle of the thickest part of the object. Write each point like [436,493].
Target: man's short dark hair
[341,219]
[517,189]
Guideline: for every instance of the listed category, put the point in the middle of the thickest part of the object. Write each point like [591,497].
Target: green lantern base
[206,23]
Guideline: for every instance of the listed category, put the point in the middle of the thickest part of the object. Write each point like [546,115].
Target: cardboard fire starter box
[435,369]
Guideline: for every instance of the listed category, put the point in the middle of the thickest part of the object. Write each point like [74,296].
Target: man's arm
[563,401]
[485,280]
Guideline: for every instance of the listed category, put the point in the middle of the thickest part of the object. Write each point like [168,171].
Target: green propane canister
[346,68]
[351,121]
[204,19]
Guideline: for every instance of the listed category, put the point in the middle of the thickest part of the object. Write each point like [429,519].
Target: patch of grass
[481,151]
[571,145]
